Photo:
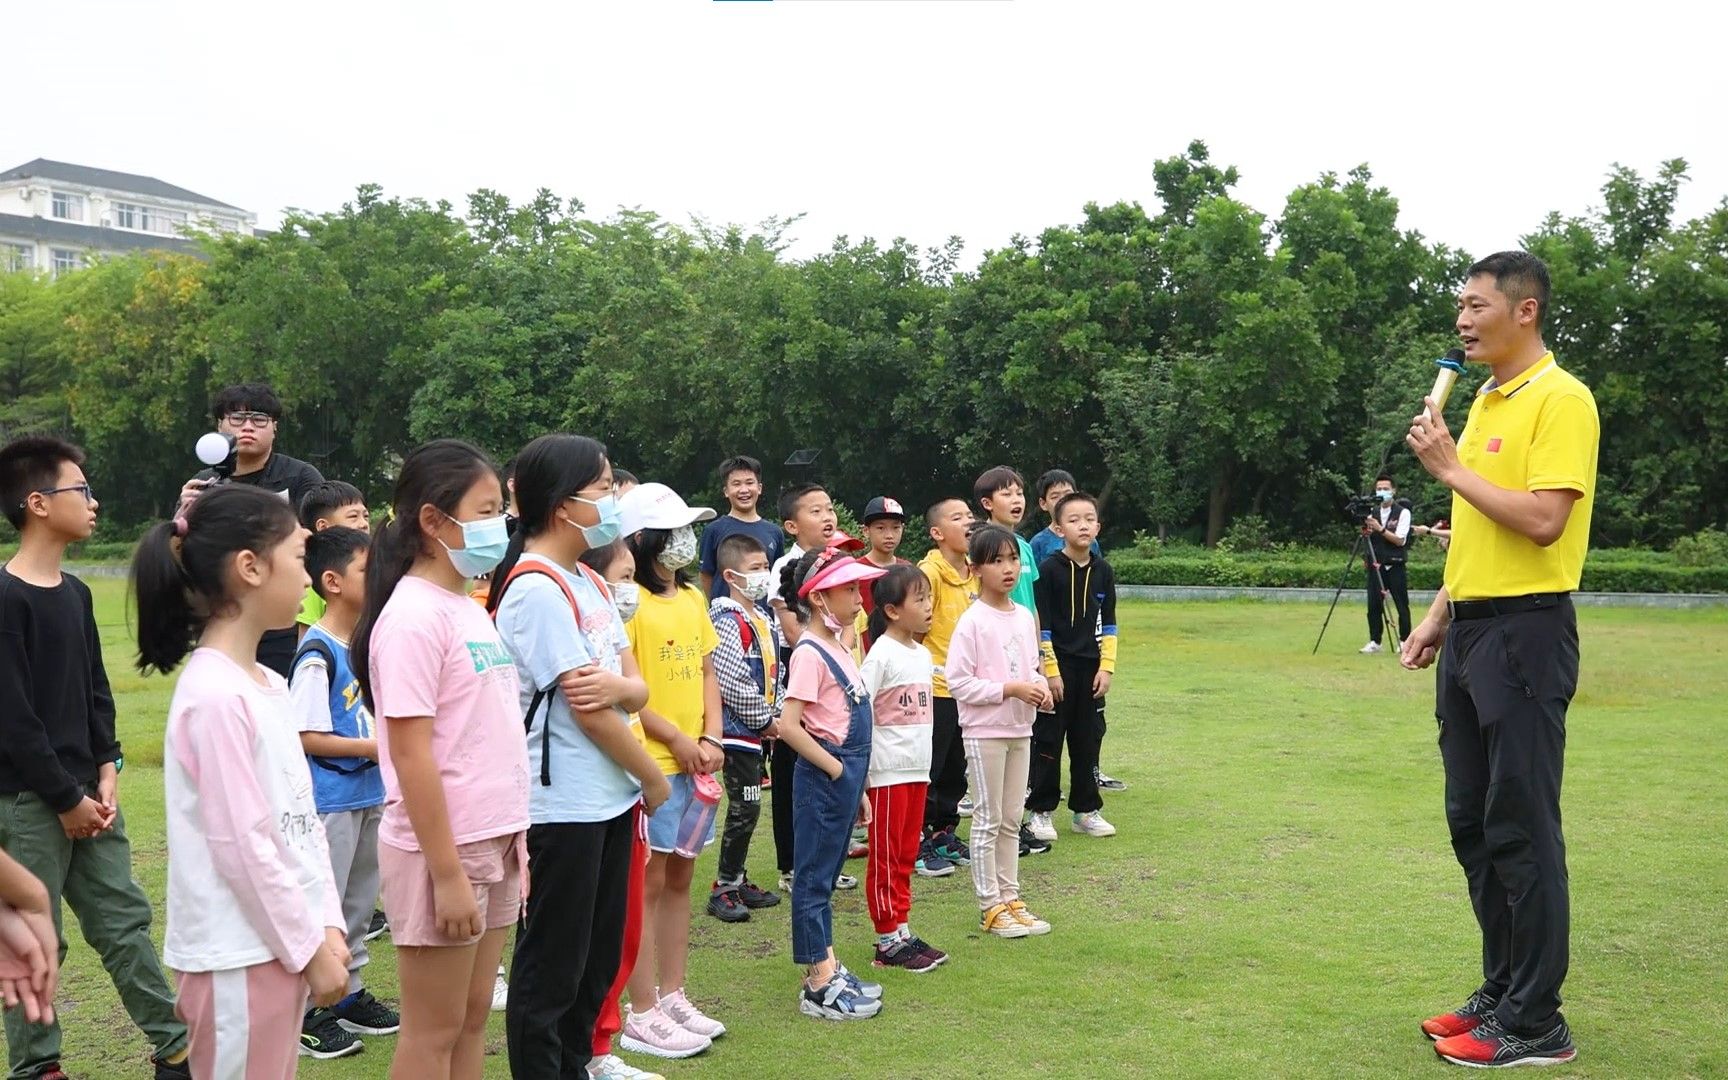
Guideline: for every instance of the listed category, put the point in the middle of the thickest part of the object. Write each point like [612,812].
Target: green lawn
[1281,899]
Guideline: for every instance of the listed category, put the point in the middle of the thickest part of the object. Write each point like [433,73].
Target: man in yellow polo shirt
[1523,476]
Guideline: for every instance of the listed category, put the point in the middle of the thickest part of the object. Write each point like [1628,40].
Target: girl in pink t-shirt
[993,673]
[254,918]
[434,671]
[827,723]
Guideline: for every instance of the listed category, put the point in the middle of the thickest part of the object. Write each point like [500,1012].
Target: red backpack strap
[536,567]
[746,633]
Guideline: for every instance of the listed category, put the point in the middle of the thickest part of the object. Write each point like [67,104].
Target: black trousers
[784,759]
[1503,688]
[1397,583]
[1076,719]
[947,767]
[743,776]
[569,944]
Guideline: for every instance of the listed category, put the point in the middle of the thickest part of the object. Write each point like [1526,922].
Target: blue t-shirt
[773,538]
[541,633]
[1046,543]
[328,700]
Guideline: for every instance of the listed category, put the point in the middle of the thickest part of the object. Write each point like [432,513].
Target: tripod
[1344,579]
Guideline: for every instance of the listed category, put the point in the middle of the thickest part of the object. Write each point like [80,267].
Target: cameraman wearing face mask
[1387,530]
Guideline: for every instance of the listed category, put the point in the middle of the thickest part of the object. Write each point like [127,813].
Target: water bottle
[697,824]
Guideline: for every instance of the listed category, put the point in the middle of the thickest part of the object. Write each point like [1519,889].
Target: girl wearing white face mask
[747,663]
[673,640]
[443,688]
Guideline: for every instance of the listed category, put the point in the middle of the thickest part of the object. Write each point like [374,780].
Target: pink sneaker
[653,1032]
[678,1008]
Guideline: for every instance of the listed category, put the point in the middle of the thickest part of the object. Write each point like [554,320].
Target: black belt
[1505,605]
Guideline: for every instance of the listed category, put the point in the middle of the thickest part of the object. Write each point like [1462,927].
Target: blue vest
[340,784]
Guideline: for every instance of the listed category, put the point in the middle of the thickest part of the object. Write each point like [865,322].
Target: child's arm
[456,912]
[247,843]
[29,945]
[1107,645]
[31,754]
[803,743]
[713,757]
[964,681]
[104,743]
[309,699]
[609,729]
[1043,593]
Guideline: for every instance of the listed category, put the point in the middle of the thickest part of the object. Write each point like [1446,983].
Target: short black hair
[1052,478]
[740,463]
[790,497]
[1518,274]
[32,464]
[623,476]
[931,510]
[1386,477]
[988,542]
[735,549]
[247,397]
[997,479]
[1071,497]
[324,498]
[332,549]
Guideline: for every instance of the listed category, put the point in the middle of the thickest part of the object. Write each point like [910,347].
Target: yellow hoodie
[951,594]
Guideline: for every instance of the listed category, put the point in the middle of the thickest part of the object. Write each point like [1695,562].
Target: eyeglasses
[89,496]
[255,419]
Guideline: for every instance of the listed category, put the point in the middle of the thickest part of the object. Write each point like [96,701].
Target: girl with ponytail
[438,678]
[254,918]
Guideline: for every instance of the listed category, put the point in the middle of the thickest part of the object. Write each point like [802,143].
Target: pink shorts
[494,867]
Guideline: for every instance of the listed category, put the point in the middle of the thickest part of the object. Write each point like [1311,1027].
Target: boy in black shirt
[59,758]
[1076,595]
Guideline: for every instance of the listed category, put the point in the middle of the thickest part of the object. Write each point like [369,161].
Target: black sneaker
[165,1071]
[323,1036]
[906,956]
[380,926]
[1490,1046]
[366,1015]
[951,847]
[1107,783]
[728,906]
[929,863]
[755,897]
[1031,845]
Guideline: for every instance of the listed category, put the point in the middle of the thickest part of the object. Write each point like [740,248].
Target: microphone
[1451,366]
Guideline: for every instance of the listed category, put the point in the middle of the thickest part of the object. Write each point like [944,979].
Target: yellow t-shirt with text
[670,636]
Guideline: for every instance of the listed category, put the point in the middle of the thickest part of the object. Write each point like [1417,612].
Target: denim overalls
[822,814]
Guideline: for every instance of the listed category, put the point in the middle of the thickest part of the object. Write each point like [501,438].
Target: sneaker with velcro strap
[364,1014]
[836,1000]
[323,1036]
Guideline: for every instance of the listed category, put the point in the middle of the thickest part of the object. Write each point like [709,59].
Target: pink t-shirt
[435,653]
[991,648]
[827,712]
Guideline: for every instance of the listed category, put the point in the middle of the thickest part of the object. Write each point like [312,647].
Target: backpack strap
[310,647]
[544,696]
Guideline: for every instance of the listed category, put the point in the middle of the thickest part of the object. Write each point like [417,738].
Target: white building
[55,216]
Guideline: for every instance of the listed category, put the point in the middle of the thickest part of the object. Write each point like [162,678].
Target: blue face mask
[483,545]
[598,536]
[1385,496]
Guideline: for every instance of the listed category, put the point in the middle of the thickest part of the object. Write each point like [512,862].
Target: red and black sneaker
[51,1071]
[1462,1019]
[755,897]
[937,956]
[1490,1046]
[904,955]
[727,905]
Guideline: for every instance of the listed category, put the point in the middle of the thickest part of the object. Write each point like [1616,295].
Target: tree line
[1193,366]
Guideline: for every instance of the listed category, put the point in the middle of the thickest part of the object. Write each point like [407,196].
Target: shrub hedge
[1651,575]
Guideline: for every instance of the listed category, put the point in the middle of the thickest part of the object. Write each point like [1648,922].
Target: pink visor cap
[837,571]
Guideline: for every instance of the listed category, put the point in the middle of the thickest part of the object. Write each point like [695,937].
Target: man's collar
[1522,379]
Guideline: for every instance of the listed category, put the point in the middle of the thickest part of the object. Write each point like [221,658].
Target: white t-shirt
[248,868]
[897,678]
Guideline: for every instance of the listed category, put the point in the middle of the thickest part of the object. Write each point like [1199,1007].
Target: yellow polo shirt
[1539,432]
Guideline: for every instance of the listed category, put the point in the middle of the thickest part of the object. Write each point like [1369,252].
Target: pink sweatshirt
[990,648]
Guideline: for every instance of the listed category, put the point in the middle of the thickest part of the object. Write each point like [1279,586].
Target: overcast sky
[884,118]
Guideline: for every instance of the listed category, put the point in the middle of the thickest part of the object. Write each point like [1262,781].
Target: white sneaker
[655,1033]
[1042,827]
[845,881]
[965,807]
[1369,649]
[681,1011]
[1093,824]
[613,1067]
[786,882]
[500,992]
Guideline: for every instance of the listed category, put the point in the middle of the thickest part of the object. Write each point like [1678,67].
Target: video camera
[220,452]
[1360,506]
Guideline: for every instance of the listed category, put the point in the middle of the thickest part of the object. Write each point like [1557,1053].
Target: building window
[126,215]
[68,207]
[17,256]
[66,259]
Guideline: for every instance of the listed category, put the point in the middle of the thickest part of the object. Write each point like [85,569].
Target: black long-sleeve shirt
[56,710]
[1077,609]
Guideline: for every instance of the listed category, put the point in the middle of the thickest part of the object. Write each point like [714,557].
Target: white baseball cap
[656,506]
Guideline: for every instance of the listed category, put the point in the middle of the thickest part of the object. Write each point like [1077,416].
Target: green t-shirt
[312,608]
[1022,593]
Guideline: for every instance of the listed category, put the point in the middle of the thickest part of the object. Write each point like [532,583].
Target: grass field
[1281,899]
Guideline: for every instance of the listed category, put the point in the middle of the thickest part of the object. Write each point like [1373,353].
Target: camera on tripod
[1360,506]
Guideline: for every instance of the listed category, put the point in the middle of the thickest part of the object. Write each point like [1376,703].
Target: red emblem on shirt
[1493,446]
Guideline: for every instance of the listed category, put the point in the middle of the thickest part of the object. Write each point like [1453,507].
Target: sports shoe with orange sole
[1462,1019]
